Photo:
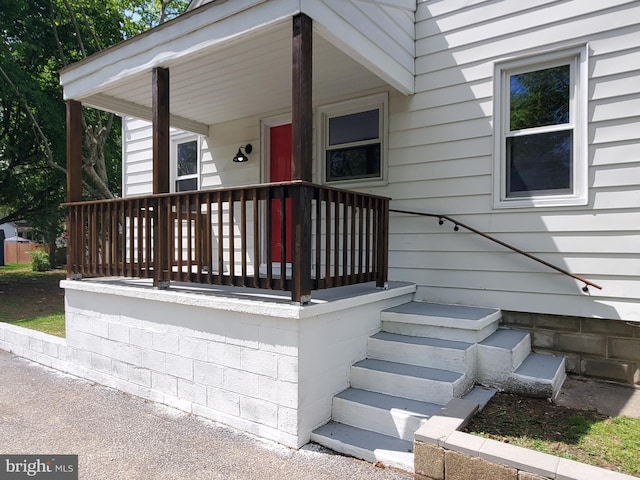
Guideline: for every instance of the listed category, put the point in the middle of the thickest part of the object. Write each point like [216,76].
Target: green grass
[51,324]
[584,436]
[14,267]
[32,299]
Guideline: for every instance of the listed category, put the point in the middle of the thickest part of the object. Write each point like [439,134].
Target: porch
[250,334]
[221,235]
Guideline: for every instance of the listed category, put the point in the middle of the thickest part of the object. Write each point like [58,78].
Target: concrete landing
[446,322]
[603,397]
[461,312]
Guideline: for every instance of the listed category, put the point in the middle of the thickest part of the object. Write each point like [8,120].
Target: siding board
[443,239]
[617,153]
[614,109]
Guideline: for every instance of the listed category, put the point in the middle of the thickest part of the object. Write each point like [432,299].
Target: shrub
[40,261]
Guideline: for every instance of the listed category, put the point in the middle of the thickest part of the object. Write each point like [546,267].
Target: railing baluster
[220,239]
[337,274]
[128,235]
[376,239]
[135,238]
[208,226]
[256,238]
[199,234]
[368,240]
[345,240]
[269,236]
[107,226]
[169,245]
[188,226]
[232,250]
[327,253]
[148,235]
[243,237]
[318,194]
[122,244]
[353,209]
[179,236]
[383,245]
[360,207]
[283,238]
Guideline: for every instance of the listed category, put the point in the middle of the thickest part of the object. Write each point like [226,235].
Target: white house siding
[441,161]
[136,157]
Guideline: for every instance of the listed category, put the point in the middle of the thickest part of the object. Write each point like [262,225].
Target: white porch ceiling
[216,81]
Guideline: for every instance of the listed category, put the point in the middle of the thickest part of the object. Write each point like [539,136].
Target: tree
[39,38]
[139,16]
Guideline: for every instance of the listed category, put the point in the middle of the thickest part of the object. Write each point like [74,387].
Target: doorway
[280,171]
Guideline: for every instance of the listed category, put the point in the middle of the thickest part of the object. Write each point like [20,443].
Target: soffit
[214,77]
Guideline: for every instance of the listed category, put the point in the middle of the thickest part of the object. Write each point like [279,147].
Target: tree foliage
[39,37]
[139,16]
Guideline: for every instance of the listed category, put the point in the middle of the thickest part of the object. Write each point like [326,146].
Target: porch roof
[232,59]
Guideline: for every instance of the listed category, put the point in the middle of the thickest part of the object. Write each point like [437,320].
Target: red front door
[280,171]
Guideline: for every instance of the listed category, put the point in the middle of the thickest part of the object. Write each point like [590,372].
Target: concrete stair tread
[364,444]
[424,341]
[390,402]
[427,373]
[480,395]
[507,339]
[460,316]
[542,367]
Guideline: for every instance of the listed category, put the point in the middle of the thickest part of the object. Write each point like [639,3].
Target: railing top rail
[260,186]
[458,224]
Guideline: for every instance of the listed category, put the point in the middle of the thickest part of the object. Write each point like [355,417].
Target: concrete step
[538,376]
[500,354]
[370,446]
[386,414]
[409,381]
[446,322]
[423,351]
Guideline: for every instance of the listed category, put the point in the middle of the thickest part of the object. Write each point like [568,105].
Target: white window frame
[176,140]
[576,58]
[378,101]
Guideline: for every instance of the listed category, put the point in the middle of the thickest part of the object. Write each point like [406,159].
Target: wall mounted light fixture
[242,157]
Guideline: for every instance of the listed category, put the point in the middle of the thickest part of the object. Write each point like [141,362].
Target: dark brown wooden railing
[223,237]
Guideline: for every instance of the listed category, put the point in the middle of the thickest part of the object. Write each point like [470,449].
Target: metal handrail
[457,225]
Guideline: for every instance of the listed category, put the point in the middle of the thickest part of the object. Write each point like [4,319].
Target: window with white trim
[540,122]
[352,140]
[186,164]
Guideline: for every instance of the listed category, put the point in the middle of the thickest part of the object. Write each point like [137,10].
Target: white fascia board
[122,107]
[333,27]
[207,27]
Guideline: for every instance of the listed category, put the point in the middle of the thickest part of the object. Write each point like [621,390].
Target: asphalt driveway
[117,436]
